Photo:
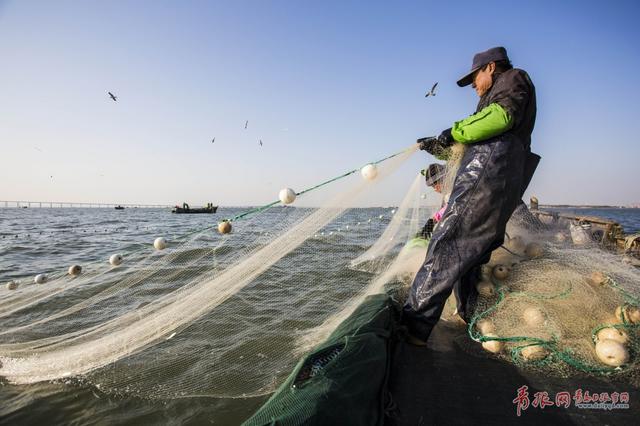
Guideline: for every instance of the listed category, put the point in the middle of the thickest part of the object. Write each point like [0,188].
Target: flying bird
[213,140]
[432,91]
[260,142]
[246,123]
[112,96]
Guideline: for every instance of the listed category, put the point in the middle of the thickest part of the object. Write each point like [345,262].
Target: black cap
[481,59]
[434,173]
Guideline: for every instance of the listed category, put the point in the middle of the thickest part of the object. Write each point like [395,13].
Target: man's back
[515,92]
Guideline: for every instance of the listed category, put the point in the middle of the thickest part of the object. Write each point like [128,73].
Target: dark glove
[427,229]
[437,145]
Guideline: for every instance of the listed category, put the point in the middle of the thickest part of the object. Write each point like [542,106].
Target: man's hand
[436,145]
[427,144]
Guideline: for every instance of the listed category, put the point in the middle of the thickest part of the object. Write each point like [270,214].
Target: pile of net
[228,315]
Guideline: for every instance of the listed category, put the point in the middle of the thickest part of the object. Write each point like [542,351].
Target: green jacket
[508,106]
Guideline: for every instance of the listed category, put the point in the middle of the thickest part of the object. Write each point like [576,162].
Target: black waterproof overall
[489,184]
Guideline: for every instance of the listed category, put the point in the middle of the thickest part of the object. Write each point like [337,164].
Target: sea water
[48,240]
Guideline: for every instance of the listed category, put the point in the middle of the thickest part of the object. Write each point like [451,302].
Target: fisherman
[495,169]
[434,175]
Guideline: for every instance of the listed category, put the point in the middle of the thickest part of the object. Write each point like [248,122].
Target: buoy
[533,250]
[612,353]
[486,272]
[493,346]
[485,288]
[224,227]
[560,237]
[115,259]
[40,279]
[287,195]
[485,326]
[75,270]
[611,333]
[380,217]
[160,243]
[533,317]
[516,244]
[629,314]
[12,285]
[534,353]
[598,278]
[501,272]
[369,172]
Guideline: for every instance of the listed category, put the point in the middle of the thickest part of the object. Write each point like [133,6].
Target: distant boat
[209,208]
[119,207]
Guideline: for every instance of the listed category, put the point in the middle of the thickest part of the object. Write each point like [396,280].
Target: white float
[12,285]
[612,353]
[493,346]
[612,333]
[485,326]
[40,279]
[160,243]
[224,227]
[287,195]
[485,288]
[501,272]
[369,172]
[115,259]
[75,270]
[533,317]
[534,353]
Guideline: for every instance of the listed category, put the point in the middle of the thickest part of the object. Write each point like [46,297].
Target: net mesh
[228,316]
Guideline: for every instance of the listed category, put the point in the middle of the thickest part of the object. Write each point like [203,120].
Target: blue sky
[327,86]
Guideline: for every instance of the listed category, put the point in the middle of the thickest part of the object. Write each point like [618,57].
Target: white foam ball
[534,353]
[75,270]
[12,285]
[493,346]
[40,279]
[612,333]
[612,353]
[115,259]
[369,172]
[485,326]
[160,243]
[533,316]
[486,288]
[287,196]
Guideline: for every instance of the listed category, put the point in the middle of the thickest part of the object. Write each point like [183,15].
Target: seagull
[246,123]
[432,91]
[260,142]
[213,140]
[112,96]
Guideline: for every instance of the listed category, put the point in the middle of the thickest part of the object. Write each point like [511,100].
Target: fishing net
[229,315]
[215,315]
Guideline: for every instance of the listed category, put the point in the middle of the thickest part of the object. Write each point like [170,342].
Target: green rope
[350,172]
[625,293]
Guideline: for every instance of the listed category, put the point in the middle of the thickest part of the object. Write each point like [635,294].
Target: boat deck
[453,381]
